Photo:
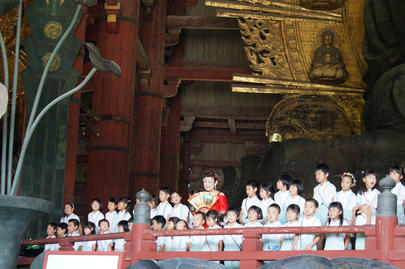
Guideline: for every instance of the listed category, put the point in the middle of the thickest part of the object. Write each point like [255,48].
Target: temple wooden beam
[201,22]
[216,163]
[226,112]
[223,136]
[226,125]
[204,73]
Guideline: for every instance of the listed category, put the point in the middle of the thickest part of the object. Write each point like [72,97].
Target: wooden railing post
[65,244]
[386,218]
[251,243]
[141,223]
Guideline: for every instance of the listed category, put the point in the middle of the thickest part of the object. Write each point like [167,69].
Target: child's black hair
[312,200]
[295,208]
[339,206]
[125,200]
[174,220]
[91,226]
[99,203]
[323,167]
[103,220]
[153,199]
[212,214]
[233,209]
[398,169]
[75,222]
[252,183]
[258,210]
[124,225]
[350,175]
[71,204]
[298,184]
[53,225]
[364,174]
[200,213]
[62,226]
[166,190]
[276,206]
[285,180]
[159,220]
[267,187]
[113,200]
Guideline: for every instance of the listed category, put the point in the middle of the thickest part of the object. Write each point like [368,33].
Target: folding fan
[202,199]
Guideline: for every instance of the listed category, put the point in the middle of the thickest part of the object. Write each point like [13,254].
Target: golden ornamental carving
[315,117]
[264,47]
[322,4]
[55,63]
[53,29]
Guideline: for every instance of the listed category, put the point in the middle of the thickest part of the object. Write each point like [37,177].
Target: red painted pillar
[170,147]
[251,242]
[74,113]
[108,170]
[385,227]
[185,170]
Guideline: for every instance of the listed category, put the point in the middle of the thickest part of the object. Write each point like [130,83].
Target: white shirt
[152,213]
[335,241]
[102,245]
[264,205]
[181,211]
[88,245]
[76,245]
[95,217]
[233,241]
[164,209]
[369,198]
[280,198]
[348,201]
[257,224]
[112,219]
[399,191]
[298,200]
[272,237]
[123,215]
[290,236]
[213,240]
[119,244]
[180,243]
[198,242]
[247,203]
[51,247]
[66,219]
[324,193]
[305,222]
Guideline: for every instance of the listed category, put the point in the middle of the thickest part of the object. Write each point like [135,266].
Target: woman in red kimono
[210,180]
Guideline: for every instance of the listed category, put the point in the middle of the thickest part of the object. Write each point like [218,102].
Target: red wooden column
[74,113]
[170,147]
[149,105]
[113,100]
[185,172]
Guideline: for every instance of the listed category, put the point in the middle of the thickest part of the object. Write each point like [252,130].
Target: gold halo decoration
[53,30]
[55,63]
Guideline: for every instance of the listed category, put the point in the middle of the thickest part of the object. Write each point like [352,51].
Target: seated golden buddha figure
[327,65]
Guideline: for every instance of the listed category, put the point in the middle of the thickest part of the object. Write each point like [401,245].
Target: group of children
[288,209]
[117,219]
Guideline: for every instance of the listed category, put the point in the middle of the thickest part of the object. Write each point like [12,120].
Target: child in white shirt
[295,190]
[368,195]
[104,245]
[324,192]
[95,216]
[69,213]
[272,241]
[346,197]
[123,213]
[254,216]
[112,214]
[168,240]
[61,231]
[308,241]
[265,194]
[337,241]
[164,208]
[179,210]
[120,243]
[362,216]
[51,231]
[73,230]
[198,242]
[152,203]
[251,200]
[287,240]
[88,229]
[181,243]
[214,242]
[232,242]
[397,174]
[280,197]
[158,222]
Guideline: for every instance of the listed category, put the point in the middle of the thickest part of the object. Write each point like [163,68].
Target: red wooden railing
[385,242]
